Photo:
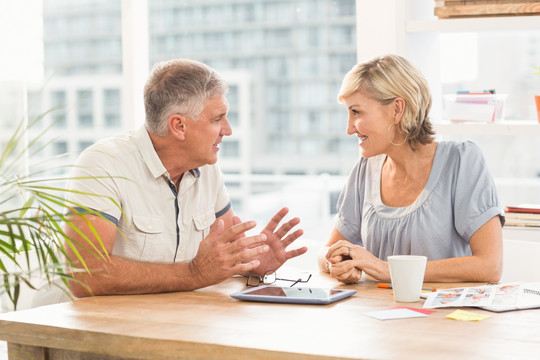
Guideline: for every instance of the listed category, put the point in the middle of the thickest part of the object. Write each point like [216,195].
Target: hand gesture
[224,253]
[278,241]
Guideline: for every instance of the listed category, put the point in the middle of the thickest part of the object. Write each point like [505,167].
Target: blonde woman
[409,194]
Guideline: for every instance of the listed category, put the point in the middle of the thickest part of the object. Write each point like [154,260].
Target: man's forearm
[119,275]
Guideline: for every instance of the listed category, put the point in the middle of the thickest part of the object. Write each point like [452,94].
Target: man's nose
[226,129]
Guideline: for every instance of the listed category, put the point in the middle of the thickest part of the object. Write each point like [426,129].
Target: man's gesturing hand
[224,253]
[278,241]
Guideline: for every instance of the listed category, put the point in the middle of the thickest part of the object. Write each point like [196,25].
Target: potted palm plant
[32,218]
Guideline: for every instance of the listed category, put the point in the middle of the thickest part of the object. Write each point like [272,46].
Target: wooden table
[209,324]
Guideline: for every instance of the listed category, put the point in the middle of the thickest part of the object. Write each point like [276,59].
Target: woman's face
[369,120]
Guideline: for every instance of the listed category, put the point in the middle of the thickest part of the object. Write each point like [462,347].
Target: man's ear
[399,109]
[177,126]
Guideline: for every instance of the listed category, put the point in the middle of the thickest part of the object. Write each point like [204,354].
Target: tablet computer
[293,295]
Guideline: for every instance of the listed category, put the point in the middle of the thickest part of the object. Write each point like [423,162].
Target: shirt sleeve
[349,205]
[223,201]
[475,200]
[90,185]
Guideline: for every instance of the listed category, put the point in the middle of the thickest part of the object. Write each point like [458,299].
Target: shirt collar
[150,156]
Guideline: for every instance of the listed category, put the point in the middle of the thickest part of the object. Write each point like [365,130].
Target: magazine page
[497,297]
[515,296]
[465,296]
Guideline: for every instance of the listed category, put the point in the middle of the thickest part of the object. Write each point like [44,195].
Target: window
[59,148]
[85,108]
[230,148]
[291,57]
[83,145]
[58,103]
[111,108]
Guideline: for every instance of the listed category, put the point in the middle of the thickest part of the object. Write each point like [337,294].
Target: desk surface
[209,324]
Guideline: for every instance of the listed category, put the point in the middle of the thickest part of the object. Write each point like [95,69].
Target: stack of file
[523,216]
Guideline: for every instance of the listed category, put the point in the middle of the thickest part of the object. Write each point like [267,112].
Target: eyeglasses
[270,278]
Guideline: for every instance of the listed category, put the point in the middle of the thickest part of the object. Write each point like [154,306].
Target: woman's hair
[179,86]
[386,78]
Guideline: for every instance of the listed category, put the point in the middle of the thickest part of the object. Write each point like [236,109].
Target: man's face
[207,132]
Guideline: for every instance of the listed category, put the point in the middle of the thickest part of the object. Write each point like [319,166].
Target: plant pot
[537,100]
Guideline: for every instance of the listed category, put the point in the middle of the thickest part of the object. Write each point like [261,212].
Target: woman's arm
[485,263]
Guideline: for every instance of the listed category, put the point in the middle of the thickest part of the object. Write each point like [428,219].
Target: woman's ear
[399,109]
[177,126]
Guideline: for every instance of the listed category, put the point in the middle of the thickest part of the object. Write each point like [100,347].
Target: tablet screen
[298,295]
[314,293]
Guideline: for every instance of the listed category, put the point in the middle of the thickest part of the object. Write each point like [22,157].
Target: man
[163,214]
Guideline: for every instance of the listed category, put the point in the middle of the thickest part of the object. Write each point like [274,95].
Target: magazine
[496,297]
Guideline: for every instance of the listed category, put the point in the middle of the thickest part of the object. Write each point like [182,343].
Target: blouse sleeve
[475,196]
[349,205]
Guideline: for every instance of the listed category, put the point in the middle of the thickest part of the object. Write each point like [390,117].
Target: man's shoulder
[118,142]
[109,149]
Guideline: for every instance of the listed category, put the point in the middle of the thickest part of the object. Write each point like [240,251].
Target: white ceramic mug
[407,274]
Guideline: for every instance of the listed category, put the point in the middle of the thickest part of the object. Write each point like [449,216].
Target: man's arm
[217,259]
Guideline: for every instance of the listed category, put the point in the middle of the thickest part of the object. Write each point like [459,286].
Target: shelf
[475,24]
[512,128]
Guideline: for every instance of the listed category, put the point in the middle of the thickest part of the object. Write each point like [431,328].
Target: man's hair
[179,86]
[386,78]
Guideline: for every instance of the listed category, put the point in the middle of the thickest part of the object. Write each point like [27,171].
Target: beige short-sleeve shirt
[134,191]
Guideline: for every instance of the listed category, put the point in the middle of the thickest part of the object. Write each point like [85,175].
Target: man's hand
[278,241]
[224,253]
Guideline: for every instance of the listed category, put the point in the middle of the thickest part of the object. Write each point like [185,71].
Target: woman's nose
[351,127]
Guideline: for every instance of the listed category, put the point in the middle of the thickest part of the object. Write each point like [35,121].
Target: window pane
[85,108]
[58,102]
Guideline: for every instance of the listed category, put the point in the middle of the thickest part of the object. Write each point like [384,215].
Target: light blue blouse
[459,197]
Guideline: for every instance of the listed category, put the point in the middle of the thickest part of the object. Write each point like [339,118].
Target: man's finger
[292,237]
[248,242]
[235,221]
[245,268]
[247,255]
[295,252]
[276,219]
[216,229]
[234,232]
[285,228]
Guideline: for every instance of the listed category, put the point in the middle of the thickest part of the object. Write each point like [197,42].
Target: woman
[409,194]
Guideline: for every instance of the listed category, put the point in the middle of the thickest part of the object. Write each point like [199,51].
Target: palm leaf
[32,219]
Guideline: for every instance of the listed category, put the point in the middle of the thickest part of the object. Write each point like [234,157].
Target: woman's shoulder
[467,150]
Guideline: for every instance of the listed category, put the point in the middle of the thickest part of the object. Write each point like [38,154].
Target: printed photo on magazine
[497,297]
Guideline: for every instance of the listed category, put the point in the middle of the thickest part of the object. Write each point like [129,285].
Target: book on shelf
[496,297]
[527,215]
[524,209]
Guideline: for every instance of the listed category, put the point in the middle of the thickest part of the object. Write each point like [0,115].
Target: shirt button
[149,227]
